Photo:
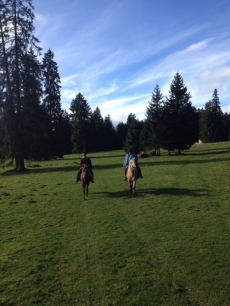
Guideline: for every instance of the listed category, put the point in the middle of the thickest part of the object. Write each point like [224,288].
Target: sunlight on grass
[166,246]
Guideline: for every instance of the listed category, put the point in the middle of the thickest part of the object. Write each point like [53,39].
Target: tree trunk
[19,164]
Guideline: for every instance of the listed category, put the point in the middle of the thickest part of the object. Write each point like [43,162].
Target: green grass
[169,245]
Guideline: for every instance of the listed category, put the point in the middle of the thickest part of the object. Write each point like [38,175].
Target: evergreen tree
[97,128]
[80,121]
[132,139]
[52,105]
[66,133]
[121,132]
[32,127]
[153,124]
[109,134]
[226,127]
[211,120]
[180,124]
[211,123]
[16,26]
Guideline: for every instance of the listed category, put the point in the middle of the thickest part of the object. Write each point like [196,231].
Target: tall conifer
[17,38]
[153,124]
[52,105]
[80,121]
[180,124]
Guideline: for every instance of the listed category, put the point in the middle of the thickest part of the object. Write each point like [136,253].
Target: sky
[115,52]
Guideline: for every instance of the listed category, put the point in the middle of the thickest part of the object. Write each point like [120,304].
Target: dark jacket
[86,160]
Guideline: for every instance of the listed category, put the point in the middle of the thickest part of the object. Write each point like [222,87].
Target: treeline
[34,126]
[171,123]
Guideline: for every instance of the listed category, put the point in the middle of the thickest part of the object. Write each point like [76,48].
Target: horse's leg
[130,187]
[87,190]
[134,187]
[83,189]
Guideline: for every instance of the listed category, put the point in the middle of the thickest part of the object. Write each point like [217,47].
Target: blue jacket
[128,157]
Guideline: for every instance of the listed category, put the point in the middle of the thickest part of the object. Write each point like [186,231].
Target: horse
[132,175]
[85,180]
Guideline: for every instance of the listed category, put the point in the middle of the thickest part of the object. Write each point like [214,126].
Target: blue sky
[115,51]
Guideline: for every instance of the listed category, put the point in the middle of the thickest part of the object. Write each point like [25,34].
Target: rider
[85,160]
[128,156]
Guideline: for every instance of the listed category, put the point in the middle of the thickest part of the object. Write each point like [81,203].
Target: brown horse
[132,175]
[85,180]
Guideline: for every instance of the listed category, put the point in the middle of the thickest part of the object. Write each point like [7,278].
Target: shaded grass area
[169,245]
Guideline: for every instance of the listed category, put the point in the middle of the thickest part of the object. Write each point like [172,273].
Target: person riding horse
[128,156]
[85,160]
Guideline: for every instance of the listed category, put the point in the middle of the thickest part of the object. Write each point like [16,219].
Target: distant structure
[199,142]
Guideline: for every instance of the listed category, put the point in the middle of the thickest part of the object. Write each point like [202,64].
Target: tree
[153,124]
[108,134]
[132,140]
[97,129]
[180,124]
[16,26]
[80,121]
[211,123]
[226,127]
[121,132]
[52,105]
[32,127]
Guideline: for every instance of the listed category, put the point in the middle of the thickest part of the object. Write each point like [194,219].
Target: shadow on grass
[72,168]
[158,191]
[175,160]
[77,157]
[208,152]
[183,161]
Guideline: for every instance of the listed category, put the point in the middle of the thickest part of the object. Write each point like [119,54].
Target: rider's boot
[78,177]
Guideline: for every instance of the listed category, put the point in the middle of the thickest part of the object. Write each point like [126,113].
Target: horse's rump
[85,175]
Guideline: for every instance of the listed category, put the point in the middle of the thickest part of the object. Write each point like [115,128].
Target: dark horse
[85,180]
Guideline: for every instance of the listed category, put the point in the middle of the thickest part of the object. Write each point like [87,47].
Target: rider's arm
[126,160]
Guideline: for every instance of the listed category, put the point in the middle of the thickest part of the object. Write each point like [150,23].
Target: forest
[33,125]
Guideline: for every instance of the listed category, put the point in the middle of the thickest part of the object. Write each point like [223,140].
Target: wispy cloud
[115,52]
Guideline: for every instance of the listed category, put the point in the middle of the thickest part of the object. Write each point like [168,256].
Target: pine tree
[80,121]
[180,124]
[16,26]
[32,127]
[65,134]
[108,134]
[121,132]
[153,124]
[211,121]
[132,139]
[97,129]
[226,127]
[52,105]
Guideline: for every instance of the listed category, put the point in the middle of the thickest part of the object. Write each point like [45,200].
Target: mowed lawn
[169,245]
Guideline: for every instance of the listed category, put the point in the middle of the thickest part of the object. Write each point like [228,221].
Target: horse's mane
[132,171]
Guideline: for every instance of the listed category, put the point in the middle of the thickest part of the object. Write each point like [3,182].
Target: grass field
[169,245]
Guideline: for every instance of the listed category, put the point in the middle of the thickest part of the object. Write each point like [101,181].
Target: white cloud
[217,77]
[114,60]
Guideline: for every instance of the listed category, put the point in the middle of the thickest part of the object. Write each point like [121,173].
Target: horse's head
[132,163]
[85,166]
